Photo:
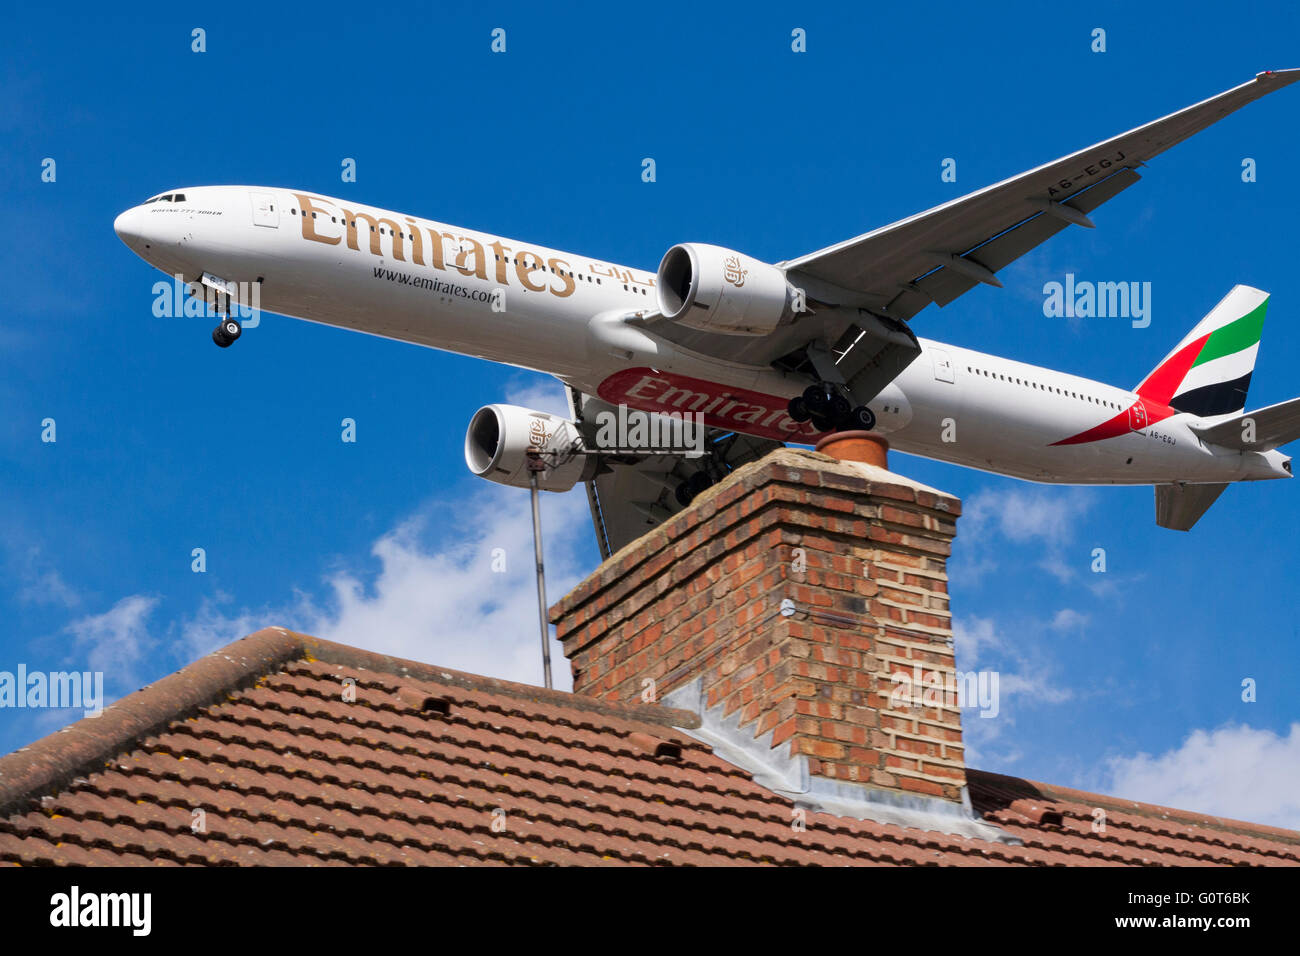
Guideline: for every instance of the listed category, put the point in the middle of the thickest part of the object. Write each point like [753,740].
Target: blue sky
[1127,681]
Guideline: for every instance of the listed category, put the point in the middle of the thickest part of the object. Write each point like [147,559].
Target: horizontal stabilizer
[1180,506]
[1261,430]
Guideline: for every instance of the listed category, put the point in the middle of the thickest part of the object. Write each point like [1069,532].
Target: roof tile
[288,772]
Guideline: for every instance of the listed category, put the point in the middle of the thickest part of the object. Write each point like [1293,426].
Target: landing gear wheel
[798,409]
[823,424]
[861,418]
[686,492]
[219,337]
[817,399]
[839,408]
[683,494]
[230,327]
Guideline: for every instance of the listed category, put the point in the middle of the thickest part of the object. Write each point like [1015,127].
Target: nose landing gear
[829,410]
[224,335]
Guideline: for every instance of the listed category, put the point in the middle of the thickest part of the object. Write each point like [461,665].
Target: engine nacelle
[717,290]
[500,436]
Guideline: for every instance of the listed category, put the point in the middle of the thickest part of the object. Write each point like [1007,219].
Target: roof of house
[254,755]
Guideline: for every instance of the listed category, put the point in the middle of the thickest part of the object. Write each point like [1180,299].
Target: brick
[697,597]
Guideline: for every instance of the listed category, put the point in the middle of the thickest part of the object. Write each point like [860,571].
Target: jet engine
[500,437]
[717,290]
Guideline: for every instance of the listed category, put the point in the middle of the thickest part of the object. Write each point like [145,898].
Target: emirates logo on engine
[537,436]
[732,272]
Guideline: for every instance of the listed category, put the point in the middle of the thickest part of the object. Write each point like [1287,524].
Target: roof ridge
[53,760]
[1209,821]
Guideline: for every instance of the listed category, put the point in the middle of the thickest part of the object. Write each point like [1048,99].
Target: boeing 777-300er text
[757,353]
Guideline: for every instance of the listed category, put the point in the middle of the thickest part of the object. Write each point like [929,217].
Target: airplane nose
[127,226]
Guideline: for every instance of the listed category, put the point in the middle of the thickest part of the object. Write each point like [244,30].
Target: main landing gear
[686,491]
[226,333]
[830,410]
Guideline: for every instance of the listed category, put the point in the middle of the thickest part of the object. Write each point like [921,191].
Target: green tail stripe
[1239,334]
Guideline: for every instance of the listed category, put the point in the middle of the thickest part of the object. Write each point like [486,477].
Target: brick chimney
[782,602]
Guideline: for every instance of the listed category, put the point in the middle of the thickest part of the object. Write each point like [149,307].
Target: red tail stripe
[1137,416]
[1161,384]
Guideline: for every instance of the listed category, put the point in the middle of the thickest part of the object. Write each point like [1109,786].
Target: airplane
[755,354]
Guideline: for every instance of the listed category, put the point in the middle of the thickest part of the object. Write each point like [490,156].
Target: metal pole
[534,466]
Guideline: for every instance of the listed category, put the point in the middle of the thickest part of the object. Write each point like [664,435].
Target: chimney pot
[870,448]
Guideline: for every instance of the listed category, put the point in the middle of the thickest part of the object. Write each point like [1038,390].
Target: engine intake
[718,290]
[500,437]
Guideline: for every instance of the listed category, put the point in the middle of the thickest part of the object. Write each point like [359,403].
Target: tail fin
[1209,371]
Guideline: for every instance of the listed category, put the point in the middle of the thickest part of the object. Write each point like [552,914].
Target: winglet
[1278,78]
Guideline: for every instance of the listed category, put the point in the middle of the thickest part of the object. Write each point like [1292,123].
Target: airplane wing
[936,255]
[865,289]
[633,493]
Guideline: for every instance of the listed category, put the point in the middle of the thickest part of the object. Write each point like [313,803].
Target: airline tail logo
[1207,374]
[1209,371]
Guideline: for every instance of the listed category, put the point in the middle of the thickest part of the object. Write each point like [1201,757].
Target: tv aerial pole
[535,467]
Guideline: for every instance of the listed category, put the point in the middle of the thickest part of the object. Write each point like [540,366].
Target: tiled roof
[258,744]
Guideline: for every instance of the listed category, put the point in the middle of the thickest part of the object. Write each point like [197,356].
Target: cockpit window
[180,197]
[167,198]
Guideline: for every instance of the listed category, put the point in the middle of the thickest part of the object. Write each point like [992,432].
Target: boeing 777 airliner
[763,352]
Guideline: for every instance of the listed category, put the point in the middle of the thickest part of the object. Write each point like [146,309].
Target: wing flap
[945,284]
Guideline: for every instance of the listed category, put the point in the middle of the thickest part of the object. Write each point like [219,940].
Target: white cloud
[1234,771]
[542,393]
[1027,514]
[1026,679]
[39,581]
[48,587]
[980,646]
[1042,517]
[435,596]
[1068,620]
[116,641]
[211,627]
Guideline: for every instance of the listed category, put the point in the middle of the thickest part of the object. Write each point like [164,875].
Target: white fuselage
[346,264]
